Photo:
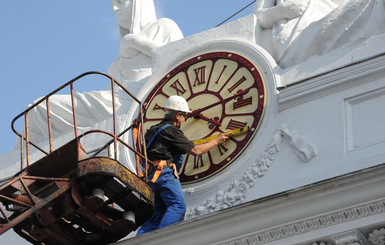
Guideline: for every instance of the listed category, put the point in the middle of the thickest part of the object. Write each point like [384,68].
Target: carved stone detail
[377,237]
[236,192]
[304,150]
[320,222]
[347,238]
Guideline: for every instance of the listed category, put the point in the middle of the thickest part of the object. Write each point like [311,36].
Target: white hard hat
[177,103]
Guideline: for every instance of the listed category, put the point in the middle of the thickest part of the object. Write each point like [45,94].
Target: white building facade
[313,172]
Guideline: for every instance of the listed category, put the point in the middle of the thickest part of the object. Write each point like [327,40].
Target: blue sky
[46,43]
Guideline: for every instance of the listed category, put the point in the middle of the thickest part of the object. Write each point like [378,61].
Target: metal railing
[25,138]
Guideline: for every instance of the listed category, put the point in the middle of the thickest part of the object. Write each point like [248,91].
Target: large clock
[226,91]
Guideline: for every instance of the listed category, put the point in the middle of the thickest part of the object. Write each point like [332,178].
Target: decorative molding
[319,222]
[236,192]
[301,216]
[304,150]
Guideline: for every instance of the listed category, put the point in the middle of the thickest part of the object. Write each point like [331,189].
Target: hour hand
[200,116]
[196,112]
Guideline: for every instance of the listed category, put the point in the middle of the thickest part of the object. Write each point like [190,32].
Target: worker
[166,146]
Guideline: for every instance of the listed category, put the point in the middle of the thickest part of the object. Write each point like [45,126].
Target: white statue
[140,33]
[294,30]
[285,20]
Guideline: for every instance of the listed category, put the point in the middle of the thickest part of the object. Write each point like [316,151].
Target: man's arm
[205,147]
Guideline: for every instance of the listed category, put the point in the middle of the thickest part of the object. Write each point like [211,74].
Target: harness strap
[156,133]
[158,170]
[148,144]
[160,164]
[173,166]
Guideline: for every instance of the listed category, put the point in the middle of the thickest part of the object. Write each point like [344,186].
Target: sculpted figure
[140,33]
[282,21]
[298,30]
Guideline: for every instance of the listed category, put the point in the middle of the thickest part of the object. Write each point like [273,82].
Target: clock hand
[194,113]
[200,116]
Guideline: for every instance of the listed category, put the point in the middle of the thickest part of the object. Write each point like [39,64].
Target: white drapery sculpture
[292,31]
[140,33]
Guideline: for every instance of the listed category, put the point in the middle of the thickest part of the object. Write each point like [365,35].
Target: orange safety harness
[159,164]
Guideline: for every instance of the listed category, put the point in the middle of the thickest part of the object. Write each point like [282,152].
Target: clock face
[227,92]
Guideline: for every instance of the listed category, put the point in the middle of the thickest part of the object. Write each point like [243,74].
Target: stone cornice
[347,199]
[314,223]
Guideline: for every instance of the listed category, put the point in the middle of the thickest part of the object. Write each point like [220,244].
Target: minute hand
[198,111]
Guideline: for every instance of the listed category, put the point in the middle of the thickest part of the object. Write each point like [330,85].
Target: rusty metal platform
[48,209]
[70,196]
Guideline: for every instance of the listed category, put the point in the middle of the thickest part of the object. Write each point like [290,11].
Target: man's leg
[153,222]
[172,195]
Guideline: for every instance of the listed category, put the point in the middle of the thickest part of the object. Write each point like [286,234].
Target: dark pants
[169,202]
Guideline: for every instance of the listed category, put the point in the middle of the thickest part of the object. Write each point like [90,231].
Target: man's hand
[222,137]
[205,147]
[227,134]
